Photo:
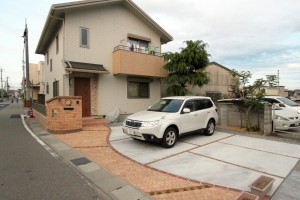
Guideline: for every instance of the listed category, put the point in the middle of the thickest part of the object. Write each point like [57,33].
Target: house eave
[57,11]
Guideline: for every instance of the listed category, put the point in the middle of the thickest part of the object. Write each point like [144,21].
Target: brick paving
[93,143]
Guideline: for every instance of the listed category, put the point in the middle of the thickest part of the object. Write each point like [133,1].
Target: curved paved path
[223,159]
[93,142]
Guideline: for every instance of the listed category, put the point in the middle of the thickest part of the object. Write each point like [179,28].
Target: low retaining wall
[64,114]
[230,115]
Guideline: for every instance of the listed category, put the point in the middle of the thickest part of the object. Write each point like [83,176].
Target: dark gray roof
[85,67]
[57,12]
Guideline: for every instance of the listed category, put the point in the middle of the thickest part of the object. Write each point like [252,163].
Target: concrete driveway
[223,159]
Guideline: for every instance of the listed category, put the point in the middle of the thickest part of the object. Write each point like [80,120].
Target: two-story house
[36,76]
[220,82]
[107,51]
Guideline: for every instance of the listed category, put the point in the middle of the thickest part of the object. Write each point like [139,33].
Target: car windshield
[287,101]
[166,105]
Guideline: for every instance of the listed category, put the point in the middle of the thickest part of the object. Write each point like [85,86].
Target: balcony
[138,62]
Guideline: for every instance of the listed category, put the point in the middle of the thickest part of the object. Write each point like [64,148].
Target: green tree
[272,80]
[186,68]
[240,80]
[250,96]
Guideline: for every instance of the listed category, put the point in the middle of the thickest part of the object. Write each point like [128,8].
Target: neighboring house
[219,85]
[36,76]
[12,93]
[276,91]
[297,94]
[107,51]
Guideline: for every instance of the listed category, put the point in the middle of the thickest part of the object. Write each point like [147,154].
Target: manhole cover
[80,161]
[15,116]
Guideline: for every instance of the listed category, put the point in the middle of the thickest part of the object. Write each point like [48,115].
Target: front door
[82,88]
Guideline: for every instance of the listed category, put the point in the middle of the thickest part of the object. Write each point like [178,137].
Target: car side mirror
[281,105]
[277,108]
[186,110]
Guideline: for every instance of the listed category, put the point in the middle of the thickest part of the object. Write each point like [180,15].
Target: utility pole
[23,79]
[7,85]
[25,36]
[278,83]
[1,70]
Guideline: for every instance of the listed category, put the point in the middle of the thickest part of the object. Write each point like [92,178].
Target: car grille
[133,123]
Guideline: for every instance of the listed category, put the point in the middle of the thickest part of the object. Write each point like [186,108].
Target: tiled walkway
[93,143]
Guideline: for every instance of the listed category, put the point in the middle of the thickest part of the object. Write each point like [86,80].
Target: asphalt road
[293,134]
[28,171]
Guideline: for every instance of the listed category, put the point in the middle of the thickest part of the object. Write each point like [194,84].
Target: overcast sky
[260,36]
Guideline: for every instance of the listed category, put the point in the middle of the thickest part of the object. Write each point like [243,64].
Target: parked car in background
[171,117]
[283,102]
[296,101]
[285,118]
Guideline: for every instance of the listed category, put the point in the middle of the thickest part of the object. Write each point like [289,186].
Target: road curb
[111,185]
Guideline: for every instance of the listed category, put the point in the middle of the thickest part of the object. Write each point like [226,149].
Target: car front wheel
[210,128]
[170,138]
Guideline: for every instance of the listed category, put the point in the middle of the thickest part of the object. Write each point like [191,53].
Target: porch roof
[85,67]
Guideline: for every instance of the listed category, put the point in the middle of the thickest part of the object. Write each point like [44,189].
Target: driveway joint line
[202,145]
[186,151]
[176,154]
[237,165]
[260,150]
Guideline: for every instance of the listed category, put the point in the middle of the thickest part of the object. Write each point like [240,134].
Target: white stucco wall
[57,65]
[108,26]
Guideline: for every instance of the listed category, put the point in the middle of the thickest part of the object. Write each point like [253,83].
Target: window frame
[56,88]
[47,88]
[47,57]
[51,65]
[87,37]
[57,43]
[139,96]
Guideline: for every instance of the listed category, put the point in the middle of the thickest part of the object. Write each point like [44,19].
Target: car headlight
[298,112]
[150,123]
[281,118]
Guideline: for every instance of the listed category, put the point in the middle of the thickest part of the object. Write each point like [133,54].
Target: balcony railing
[139,62]
[145,50]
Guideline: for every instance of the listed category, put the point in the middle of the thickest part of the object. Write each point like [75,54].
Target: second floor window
[47,57]
[47,88]
[51,65]
[84,37]
[57,44]
[138,45]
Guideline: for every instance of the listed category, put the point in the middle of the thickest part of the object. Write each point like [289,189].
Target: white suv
[170,117]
